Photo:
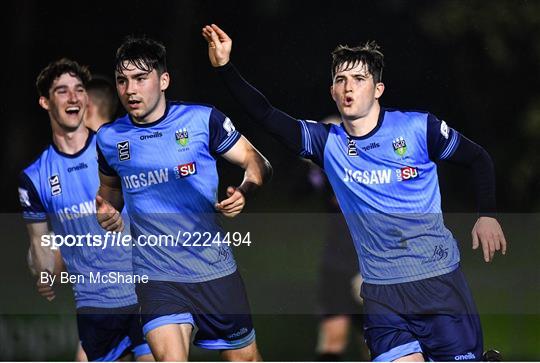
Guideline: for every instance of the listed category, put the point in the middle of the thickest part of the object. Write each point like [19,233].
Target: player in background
[338,276]
[57,194]
[160,160]
[381,165]
[102,102]
[100,109]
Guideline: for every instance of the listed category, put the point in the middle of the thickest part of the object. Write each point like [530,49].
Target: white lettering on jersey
[75,211]
[382,176]
[147,179]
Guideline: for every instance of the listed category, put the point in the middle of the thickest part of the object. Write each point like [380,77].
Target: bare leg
[333,335]
[80,356]
[170,342]
[246,354]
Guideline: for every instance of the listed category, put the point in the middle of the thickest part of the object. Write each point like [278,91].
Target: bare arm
[109,203]
[43,258]
[257,171]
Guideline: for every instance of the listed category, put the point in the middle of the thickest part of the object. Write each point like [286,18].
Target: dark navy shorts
[109,334]
[218,308]
[435,316]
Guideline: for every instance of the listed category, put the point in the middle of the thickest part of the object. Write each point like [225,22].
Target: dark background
[474,64]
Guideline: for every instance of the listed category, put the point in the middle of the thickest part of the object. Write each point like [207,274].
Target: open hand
[488,233]
[219,45]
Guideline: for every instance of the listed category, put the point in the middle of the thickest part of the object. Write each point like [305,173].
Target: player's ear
[332,93]
[164,80]
[44,102]
[379,90]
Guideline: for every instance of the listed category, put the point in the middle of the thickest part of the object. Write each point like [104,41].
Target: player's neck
[155,114]
[363,125]
[94,123]
[70,142]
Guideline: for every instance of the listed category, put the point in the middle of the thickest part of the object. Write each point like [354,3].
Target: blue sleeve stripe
[228,143]
[29,216]
[220,344]
[183,318]
[399,351]
[306,140]
[451,147]
[142,349]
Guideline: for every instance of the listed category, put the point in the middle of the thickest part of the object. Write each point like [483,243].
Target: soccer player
[381,165]
[59,189]
[102,102]
[160,160]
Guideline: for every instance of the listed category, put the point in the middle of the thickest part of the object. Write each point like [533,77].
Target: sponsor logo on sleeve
[54,183]
[445,130]
[123,150]
[228,126]
[24,199]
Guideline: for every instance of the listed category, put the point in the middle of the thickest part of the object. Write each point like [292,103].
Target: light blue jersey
[170,182]
[387,187]
[61,189]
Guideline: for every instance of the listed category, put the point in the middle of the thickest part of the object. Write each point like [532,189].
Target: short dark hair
[102,91]
[368,54]
[144,53]
[55,69]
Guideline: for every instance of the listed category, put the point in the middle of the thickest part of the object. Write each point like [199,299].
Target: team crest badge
[400,146]
[182,137]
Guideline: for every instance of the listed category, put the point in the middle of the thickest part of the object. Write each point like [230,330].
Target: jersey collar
[150,124]
[78,153]
[372,132]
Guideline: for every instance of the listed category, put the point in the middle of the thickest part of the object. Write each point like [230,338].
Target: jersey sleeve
[314,136]
[31,204]
[104,166]
[442,140]
[222,133]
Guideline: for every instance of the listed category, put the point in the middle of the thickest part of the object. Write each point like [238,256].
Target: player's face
[354,91]
[142,93]
[66,102]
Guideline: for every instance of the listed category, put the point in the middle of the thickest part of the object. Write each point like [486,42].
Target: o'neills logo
[151,136]
[82,165]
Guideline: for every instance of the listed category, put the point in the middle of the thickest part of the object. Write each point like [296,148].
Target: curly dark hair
[55,69]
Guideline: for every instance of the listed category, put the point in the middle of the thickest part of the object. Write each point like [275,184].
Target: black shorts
[108,334]
[218,308]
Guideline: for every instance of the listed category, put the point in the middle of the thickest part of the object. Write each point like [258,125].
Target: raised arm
[284,127]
